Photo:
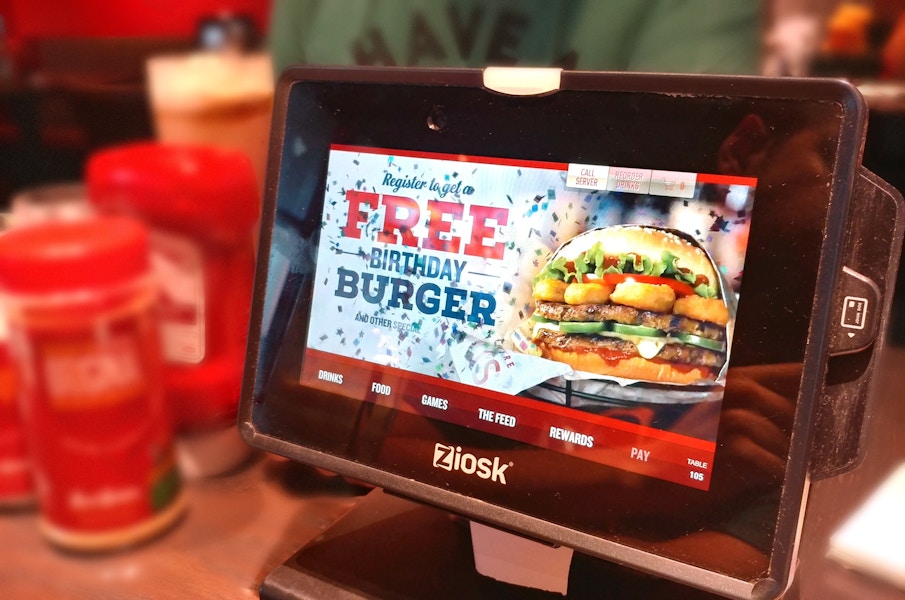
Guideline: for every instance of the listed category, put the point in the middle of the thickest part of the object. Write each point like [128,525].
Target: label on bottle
[87,373]
[179,267]
[101,437]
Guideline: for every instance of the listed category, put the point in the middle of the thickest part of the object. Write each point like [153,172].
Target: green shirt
[702,36]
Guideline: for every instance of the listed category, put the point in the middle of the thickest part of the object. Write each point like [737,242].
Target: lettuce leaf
[594,260]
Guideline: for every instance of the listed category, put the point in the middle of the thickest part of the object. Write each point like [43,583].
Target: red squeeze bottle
[202,206]
[81,306]
[16,487]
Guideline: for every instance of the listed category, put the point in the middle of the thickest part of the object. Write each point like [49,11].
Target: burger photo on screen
[633,302]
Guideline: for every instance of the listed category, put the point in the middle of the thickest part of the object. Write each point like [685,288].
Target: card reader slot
[862,301]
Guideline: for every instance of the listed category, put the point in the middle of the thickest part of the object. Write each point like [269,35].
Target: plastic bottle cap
[68,256]
[202,190]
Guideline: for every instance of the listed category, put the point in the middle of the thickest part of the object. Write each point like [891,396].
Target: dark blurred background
[72,76]
[72,71]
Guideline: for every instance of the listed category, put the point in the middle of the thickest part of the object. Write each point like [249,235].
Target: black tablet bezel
[275,432]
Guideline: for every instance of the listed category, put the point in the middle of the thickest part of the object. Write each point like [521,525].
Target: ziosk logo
[451,458]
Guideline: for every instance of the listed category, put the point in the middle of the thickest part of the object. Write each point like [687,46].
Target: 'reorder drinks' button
[622,179]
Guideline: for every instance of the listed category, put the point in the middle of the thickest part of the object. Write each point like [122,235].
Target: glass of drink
[214,98]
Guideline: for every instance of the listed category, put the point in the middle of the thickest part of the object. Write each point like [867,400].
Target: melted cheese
[649,347]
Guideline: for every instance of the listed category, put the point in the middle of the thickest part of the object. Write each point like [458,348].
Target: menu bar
[631,447]
[677,184]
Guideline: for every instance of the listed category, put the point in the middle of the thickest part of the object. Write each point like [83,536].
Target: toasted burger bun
[630,368]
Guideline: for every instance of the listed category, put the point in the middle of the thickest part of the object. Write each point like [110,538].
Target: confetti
[542,212]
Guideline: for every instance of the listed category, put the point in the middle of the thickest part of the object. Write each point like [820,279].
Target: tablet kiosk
[622,315]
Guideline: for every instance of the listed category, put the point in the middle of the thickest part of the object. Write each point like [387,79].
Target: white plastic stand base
[513,559]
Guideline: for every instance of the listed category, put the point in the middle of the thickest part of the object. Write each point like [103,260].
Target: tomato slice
[680,288]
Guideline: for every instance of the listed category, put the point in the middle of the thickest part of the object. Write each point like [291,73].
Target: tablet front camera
[436,118]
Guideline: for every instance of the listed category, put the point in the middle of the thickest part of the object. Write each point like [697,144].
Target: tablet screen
[585,309]
[593,316]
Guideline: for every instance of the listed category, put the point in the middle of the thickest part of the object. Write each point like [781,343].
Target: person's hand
[755,425]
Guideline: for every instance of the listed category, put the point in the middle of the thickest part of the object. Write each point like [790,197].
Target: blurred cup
[220,99]
[49,202]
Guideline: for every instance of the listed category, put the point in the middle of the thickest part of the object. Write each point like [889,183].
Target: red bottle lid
[203,191]
[75,255]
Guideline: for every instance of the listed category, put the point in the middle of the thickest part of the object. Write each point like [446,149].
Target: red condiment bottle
[202,206]
[16,485]
[81,306]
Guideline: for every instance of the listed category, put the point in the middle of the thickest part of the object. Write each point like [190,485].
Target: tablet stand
[389,547]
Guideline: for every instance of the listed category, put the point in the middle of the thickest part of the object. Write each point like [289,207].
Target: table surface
[239,527]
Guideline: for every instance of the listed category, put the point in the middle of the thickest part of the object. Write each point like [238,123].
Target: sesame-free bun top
[646,241]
